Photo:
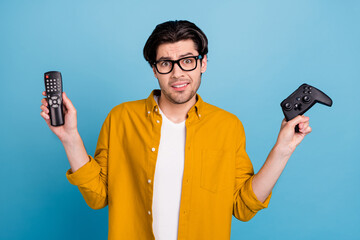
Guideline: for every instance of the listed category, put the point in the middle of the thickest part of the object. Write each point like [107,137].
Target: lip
[181,88]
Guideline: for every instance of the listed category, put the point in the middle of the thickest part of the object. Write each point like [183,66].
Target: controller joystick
[306,99]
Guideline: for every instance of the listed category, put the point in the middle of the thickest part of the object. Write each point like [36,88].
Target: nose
[177,72]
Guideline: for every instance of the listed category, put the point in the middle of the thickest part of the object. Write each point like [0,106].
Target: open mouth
[180,87]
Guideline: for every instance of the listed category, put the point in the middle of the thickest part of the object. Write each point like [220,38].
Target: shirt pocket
[217,170]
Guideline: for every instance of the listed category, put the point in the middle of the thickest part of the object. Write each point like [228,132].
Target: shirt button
[149,180]
[148,112]
[149,212]
[155,109]
[153,149]
[199,115]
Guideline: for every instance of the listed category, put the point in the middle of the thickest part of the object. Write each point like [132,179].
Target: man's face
[178,77]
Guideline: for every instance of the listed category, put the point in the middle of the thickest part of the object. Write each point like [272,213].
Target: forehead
[176,49]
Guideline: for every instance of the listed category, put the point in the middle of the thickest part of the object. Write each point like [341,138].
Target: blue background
[259,52]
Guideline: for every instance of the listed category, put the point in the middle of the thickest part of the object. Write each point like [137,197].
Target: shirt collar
[152,106]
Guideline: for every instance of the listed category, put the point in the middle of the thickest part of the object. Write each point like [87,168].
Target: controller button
[298,99]
[297,106]
[309,92]
[55,106]
[50,102]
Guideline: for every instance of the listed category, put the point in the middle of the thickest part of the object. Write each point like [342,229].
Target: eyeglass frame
[199,57]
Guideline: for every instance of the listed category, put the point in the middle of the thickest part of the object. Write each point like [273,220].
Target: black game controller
[302,100]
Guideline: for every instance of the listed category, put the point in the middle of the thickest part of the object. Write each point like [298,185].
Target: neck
[175,112]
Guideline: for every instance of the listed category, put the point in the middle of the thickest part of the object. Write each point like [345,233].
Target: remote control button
[50,102]
[55,106]
[54,97]
[298,99]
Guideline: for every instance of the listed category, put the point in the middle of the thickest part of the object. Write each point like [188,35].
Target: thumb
[298,120]
[67,103]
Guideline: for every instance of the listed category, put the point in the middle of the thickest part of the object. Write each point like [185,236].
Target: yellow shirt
[216,181]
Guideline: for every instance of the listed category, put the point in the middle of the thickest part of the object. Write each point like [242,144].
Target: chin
[183,99]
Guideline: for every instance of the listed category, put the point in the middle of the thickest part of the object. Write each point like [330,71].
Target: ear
[154,70]
[203,64]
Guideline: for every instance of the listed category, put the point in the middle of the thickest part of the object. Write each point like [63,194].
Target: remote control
[53,86]
[301,100]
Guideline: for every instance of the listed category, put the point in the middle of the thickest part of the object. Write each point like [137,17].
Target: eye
[165,64]
[187,60]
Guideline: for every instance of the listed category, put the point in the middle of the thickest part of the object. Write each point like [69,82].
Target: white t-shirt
[168,179]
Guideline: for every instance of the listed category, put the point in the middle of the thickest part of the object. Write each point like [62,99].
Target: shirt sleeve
[91,178]
[245,204]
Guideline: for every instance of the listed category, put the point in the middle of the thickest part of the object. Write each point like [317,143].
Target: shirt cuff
[85,174]
[250,198]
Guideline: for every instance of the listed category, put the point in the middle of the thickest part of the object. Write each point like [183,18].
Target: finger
[303,126]
[308,130]
[44,93]
[44,108]
[44,102]
[297,120]
[45,116]
[67,103]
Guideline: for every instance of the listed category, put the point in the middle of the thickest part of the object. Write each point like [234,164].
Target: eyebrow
[181,56]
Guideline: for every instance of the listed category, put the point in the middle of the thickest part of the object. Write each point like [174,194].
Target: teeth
[179,86]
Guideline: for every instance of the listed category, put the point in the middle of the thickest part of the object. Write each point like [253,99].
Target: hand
[288,139]
[70,127]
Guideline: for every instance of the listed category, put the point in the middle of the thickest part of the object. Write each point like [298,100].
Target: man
[172,166]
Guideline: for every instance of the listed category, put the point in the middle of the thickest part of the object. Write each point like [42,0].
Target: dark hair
[171,32]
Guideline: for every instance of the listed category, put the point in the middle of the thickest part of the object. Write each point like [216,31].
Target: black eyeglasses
[186,64]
